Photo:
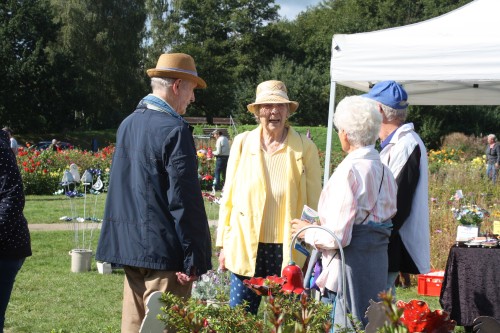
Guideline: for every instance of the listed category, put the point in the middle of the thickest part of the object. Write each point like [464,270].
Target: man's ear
[176,86]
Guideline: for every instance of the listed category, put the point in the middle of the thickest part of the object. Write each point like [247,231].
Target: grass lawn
[50,208]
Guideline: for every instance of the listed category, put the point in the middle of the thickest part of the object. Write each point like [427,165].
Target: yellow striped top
[272,228]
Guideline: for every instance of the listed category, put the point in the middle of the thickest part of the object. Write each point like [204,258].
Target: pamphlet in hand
[311,216]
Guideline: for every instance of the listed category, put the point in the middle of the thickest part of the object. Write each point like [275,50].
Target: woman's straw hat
[272,92]
[177,66]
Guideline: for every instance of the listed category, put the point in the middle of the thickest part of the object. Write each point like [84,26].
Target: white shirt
[351,194]
[222,146]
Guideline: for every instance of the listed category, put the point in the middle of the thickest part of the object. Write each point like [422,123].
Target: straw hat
[272,92]
[177,66]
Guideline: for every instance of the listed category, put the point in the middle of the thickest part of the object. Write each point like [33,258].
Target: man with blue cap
[406,156]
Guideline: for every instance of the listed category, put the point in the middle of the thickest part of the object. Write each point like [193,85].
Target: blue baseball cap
[389,93]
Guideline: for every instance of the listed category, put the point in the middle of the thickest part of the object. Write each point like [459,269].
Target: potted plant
[468,215]
[212,287]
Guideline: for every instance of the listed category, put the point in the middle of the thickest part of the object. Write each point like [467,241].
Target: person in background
[221,154]
[492,157]
[54,145]
[405,154]
[15,243]
[272,172]
[13,142]
[155,224]
[356,204]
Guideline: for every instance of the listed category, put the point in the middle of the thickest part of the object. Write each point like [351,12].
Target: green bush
[42,171]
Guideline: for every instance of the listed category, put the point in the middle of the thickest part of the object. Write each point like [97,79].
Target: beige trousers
[139,284]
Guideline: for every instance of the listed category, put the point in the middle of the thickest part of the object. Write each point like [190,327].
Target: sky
[291,8]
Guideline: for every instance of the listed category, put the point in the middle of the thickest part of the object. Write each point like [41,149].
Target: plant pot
[466,232]
[104,267]
[80,260]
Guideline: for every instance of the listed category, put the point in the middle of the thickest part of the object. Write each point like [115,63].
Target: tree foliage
[103,37]
[80,64]
[26,30]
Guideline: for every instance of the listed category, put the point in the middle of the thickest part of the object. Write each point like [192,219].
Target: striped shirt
[274,213]
[352,196]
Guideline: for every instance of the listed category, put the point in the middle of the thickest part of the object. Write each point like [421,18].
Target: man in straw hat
[272,172]
[155,223]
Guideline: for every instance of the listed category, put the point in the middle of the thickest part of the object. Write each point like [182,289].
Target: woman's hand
[222,260]
[297,225]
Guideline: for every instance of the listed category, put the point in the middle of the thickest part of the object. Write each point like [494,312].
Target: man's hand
[222,260]
[185,279]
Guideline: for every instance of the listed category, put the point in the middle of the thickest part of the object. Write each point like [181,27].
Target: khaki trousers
[139,284]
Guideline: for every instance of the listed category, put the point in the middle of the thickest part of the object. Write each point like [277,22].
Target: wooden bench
[203,120]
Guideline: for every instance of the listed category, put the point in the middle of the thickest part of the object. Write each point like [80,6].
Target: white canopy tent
[453,59]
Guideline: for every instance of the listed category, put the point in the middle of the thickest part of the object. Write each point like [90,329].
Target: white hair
[394,114]
[161,82]
[492,137]
[360,119]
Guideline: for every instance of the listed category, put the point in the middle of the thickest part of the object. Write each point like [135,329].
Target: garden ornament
[294,278]
[86,178]
[73,169]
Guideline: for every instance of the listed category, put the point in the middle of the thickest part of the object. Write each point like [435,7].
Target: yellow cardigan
[242,204]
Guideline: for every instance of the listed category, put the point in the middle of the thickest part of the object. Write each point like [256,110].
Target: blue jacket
[154,215]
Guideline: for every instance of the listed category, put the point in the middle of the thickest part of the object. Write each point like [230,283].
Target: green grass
[47,296]
[50,208]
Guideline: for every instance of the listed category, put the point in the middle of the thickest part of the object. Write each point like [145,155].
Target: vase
[466,232]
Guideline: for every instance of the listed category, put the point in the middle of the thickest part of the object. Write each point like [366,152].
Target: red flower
[417,317]
[263,286]
[207,177]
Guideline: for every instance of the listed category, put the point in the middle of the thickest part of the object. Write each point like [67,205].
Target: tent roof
[453,59]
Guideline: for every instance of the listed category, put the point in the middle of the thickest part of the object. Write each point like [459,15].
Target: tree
[103,39]
[303,85]
[228,39]
[26,88]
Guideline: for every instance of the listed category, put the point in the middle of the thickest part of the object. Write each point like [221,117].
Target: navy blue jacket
[154,215]
[15,240]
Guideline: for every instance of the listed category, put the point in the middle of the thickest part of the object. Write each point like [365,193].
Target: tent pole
[329,134]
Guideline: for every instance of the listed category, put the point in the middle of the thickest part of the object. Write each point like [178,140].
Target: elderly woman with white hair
[492,158]
[357,204]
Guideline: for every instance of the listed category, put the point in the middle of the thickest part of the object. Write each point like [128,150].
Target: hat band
[177,70]
[264,95]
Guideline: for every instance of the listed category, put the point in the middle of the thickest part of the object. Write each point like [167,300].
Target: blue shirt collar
[388,139]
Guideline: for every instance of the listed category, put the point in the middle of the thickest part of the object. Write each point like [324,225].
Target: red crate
[430,284]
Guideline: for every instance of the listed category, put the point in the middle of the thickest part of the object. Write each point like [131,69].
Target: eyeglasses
[268,108]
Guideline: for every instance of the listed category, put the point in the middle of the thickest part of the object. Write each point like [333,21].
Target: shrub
[42,171]
[471,146]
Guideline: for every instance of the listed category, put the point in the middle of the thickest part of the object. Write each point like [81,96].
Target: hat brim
[200,83]
[293,105]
